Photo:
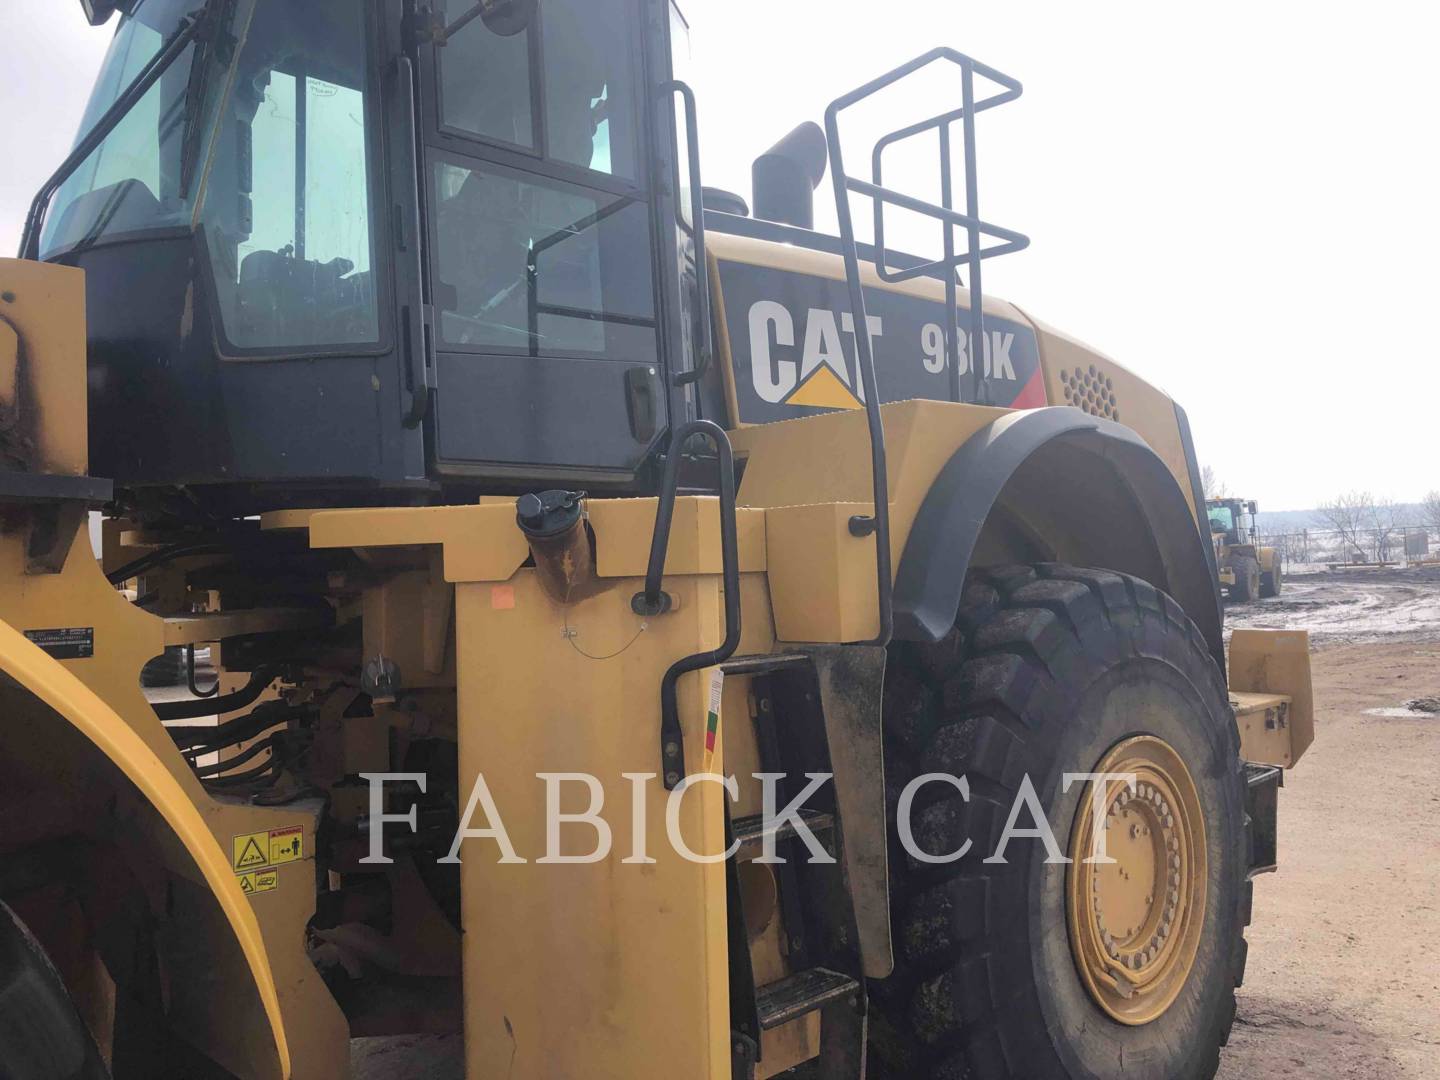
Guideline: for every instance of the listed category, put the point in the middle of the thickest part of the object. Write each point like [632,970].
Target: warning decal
[286,845]
[250,852]
[257,851]
[259,881]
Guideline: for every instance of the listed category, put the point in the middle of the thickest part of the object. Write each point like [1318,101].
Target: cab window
[541,267]
[561,87]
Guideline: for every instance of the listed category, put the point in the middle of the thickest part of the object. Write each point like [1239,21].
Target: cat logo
[824,377]
[794,348]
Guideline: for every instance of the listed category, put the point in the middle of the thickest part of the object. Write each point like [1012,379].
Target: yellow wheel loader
[1248,570]
[650,639]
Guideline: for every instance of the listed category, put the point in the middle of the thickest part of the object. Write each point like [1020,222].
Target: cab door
[544,286]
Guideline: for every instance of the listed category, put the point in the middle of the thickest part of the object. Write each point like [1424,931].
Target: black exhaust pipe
[785,177]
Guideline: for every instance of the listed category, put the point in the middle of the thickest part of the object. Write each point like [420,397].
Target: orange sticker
[502,597]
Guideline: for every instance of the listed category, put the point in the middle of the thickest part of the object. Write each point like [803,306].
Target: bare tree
[1213,486]
[1348,514]
[1430,510]
[1388,519]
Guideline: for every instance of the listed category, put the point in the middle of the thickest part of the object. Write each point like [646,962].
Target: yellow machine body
[569,970]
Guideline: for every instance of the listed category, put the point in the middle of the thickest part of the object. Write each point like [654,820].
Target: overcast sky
[1236,200]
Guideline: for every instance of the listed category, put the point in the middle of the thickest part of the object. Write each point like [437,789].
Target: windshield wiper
[149,75]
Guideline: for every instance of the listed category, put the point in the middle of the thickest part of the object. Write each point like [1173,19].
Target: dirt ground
[1352,607]
[1344,974]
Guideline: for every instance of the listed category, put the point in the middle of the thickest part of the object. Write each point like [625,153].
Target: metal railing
[977,231]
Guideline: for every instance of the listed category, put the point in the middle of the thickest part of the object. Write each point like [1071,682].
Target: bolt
[671,779]
[764,704]
[672,748]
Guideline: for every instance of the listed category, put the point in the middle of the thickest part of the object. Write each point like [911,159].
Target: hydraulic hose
[214,706]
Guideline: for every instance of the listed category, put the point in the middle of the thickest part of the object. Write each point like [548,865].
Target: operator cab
[377,250]
[1232,518]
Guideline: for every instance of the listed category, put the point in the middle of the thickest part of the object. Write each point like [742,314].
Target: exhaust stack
[785,177]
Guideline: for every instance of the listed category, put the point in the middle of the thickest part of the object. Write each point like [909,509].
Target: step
[800,994]
[753,829]
[763,663]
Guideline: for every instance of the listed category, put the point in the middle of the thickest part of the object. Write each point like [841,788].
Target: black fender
[1077,488]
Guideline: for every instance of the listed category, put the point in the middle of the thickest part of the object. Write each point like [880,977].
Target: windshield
[136,179]
[1221,519]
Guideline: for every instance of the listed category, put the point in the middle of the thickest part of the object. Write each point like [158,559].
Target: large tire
[41,1035]
[1247,579]
[167,669]
[1271,581]
[1046,670]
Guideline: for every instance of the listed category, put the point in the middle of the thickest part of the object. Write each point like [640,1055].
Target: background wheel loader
[555,524]
[1247,570]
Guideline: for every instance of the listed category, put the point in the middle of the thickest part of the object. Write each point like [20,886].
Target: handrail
[654,601]
[975,251]
[704,332]
[878,523]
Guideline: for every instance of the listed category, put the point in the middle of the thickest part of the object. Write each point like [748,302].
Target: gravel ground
[1344,974]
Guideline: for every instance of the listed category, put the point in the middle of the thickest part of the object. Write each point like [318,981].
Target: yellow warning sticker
[256,851]
[259,881]
[250,851]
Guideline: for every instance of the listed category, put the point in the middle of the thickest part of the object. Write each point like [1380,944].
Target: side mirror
[98,12]
[507,17]
[1254,507]
[503,17]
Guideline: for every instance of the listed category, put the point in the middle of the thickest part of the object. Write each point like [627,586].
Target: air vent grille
[1090,389]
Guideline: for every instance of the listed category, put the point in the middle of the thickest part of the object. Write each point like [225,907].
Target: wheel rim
[1136,921]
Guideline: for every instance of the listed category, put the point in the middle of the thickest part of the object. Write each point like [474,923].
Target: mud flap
[851,679]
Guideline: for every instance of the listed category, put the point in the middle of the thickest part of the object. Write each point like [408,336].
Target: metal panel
[536,413]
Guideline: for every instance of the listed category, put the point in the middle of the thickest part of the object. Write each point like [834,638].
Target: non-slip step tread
[797,995]
[753,829]
[760,663]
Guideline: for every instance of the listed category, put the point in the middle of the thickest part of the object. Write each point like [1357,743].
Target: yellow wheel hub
[1136,921]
